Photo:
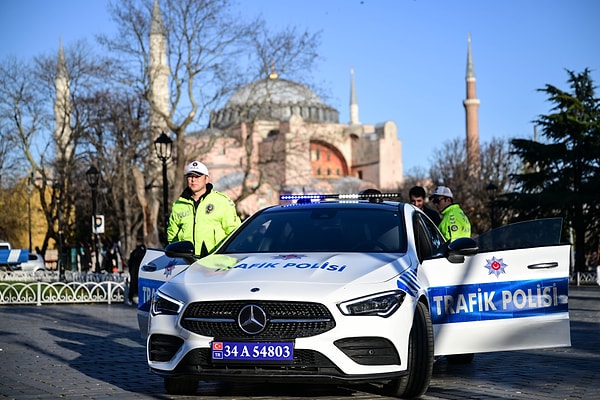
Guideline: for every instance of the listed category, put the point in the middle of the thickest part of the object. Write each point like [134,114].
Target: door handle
[546,265]
[149,268]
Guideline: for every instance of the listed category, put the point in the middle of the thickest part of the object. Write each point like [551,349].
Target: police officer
[455,223]
[201,215]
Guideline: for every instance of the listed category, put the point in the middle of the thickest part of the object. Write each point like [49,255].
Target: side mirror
[459,248]
[184,249]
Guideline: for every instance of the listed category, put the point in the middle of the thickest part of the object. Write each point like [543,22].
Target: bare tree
[46,125]
[14,91]
[195,40]
[451,169]
[210,51]
[293,53]
[23,117]
[22,114]
[66,80]
[117,124]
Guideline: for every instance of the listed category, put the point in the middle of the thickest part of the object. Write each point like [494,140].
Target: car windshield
[326,229]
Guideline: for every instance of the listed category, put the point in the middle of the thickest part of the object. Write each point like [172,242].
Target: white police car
[356,289]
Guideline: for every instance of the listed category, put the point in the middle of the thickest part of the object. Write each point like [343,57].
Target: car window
[320,229]
[522,235]
[428,238]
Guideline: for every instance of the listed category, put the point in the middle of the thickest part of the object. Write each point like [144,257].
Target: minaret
[62,108]
[471,104]
[353,104]
[158,73]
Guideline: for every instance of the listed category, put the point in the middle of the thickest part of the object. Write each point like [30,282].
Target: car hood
[220,274]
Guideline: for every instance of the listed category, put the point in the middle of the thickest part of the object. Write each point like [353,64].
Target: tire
[420,358]
[181,385]
[460,358]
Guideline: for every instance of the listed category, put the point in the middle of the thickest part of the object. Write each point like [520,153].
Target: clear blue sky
[409,56]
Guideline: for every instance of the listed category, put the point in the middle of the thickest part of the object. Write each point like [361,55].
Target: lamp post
[164,146]
[29,193]
[92,176]
[492,191]
[57,193]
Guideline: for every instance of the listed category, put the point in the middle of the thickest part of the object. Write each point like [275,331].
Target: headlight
[381,304]
[164,305]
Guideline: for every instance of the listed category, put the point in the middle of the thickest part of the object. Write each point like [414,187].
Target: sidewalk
[94,351]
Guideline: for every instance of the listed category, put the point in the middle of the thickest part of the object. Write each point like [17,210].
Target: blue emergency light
[369,194]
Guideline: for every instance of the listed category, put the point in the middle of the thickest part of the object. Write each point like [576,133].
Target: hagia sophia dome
[276,100]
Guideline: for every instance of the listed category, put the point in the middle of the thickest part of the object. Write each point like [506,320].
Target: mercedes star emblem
[252,319]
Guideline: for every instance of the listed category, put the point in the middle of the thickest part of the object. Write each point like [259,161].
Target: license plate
[252,351]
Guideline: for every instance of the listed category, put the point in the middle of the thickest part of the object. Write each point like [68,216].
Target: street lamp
[57,193]
[29,193]
[492,191]
[164,146]
[93,176]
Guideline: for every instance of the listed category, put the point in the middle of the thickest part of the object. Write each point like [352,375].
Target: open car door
[155,269]
[512,295]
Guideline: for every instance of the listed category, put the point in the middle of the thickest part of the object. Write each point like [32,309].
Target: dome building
[280,137]
[273,99]
[275,136]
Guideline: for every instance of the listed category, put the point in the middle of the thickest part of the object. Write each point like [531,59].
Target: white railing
[20,287]
[584,278]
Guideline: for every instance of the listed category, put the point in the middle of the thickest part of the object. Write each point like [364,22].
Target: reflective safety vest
[455,223]
[207,224]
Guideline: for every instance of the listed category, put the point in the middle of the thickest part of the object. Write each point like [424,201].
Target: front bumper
[356,348]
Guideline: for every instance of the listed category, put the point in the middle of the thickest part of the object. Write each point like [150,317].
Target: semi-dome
[273,99]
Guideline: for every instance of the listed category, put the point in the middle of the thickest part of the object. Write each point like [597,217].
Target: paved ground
[94,352]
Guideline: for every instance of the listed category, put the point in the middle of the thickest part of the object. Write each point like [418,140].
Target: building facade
[277,136]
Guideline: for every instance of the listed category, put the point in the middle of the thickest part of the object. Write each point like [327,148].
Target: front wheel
[181,385]
[420,358]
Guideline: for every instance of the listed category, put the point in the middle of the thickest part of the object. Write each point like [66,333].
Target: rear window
[321,230]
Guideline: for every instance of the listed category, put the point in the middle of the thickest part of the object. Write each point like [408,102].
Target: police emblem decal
[496,266]
[288,256]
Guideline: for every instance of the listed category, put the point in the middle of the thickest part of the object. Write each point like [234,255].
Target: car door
[155,269]
[513,295]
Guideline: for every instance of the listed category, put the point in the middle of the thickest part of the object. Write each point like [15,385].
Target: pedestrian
[201,214]
[455,223]
[133,264]
[417,197]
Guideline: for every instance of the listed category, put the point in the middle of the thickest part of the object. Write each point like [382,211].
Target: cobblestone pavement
[94,352]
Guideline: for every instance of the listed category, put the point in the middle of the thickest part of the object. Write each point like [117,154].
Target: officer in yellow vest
[201,215]
[455,223]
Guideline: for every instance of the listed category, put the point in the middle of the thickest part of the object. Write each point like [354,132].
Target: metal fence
[584,278]
[20,287]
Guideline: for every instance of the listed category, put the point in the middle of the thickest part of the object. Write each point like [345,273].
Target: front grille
[285,320]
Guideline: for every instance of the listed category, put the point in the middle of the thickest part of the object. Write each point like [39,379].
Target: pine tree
[561,174]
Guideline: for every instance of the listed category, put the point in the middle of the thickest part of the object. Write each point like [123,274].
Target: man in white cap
[201,215]
[455,223]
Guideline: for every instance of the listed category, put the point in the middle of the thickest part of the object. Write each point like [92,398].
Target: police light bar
[366,195]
